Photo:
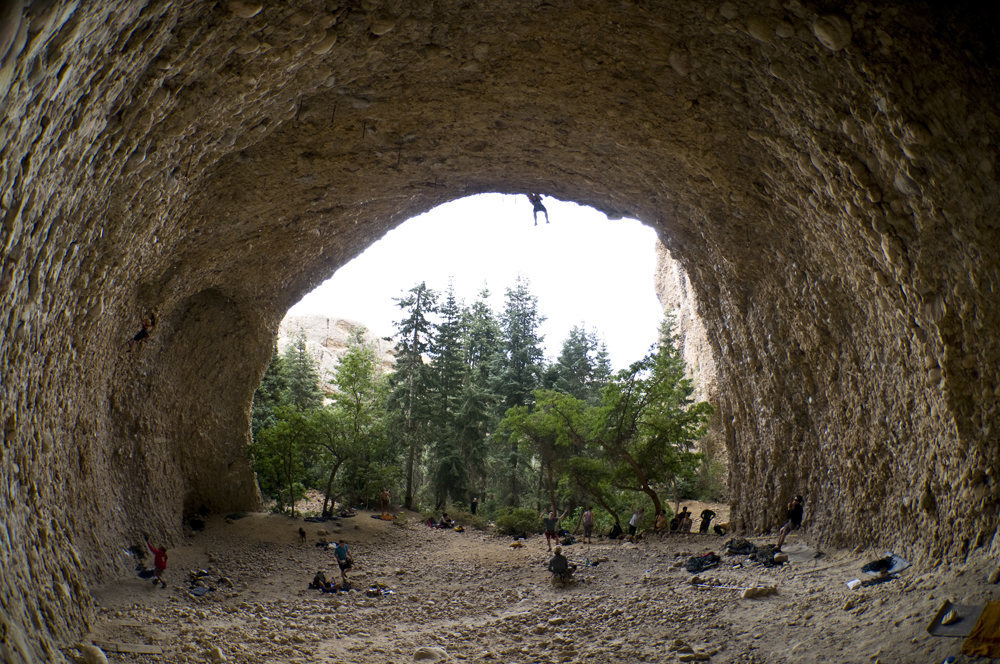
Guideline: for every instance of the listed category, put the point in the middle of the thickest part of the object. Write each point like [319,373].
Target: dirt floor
[470,596]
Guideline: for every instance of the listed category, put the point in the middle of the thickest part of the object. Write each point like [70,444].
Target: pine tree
[478,409]
[301,376]
[583,367]
[411,381]
[269,395]
[449,474]
[520,370]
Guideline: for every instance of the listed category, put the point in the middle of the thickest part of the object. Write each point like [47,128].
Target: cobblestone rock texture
[827,180]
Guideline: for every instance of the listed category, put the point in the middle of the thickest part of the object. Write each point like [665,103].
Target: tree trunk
[552,486]
[410,459]
[327,502]
[513,499]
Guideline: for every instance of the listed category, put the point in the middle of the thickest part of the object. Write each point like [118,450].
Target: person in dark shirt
[536,202]
[559,565]
[794,520]
[706,519]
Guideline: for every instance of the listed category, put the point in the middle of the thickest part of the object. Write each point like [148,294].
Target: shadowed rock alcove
[827,179]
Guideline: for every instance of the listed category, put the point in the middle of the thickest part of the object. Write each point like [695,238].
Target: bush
[518,521]
[469,520]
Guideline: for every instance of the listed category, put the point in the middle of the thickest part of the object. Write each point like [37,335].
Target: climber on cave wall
[148,323]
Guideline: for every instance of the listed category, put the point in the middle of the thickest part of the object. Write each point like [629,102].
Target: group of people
[342,555]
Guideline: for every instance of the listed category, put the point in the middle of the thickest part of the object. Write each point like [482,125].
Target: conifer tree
[449,474]
[301,376]
[583,367]
[520,364]
[410,383]
[269,395]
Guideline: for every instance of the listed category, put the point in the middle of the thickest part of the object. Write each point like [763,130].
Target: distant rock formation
[674,290]
[328,338]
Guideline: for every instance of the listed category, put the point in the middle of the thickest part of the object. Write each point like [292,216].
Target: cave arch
[829,179]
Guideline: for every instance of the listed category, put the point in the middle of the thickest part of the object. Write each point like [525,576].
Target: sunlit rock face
[827,181]
[676,294]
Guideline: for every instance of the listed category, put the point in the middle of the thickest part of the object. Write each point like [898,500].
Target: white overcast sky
[583,268]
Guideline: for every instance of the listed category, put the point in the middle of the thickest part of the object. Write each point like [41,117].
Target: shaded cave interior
[826,178]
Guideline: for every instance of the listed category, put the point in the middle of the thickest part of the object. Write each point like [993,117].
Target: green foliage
[517,521]
[278,456]
[269,395]
[520,366]
[301,376]
[410,398]
[583,368]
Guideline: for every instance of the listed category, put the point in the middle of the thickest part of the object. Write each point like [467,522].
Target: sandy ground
[471,597]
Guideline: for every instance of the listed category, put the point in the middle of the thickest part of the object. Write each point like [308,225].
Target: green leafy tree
[279,453]
[548,430]
[349,431]
[649,422]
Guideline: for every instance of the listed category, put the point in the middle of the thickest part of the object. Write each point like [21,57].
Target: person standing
[635,522]
[706,519]
[343,557]
[587,523]
[551,524]
[474,505]
[159,563]
[793,520]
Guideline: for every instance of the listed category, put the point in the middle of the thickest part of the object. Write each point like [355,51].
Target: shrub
[518,521]
[469,520]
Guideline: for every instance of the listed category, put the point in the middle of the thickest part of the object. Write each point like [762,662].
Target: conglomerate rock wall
[826,173]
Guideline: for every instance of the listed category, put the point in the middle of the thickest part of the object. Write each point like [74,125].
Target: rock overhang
[827,179]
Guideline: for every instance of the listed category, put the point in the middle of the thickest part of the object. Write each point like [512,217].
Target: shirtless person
[551,523]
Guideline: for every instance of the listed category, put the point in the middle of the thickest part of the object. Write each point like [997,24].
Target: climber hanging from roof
[536,201]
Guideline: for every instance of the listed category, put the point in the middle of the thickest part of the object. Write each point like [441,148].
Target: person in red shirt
[159,563]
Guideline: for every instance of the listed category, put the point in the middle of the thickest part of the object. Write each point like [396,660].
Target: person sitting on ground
[706,518]
[684,525]
[551,523]
[159,563]
[616,531]
[721,528]
[675,523]
[445,521]
[344,560]
[319,581]
[660,523]
[794,520]
[559,565]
